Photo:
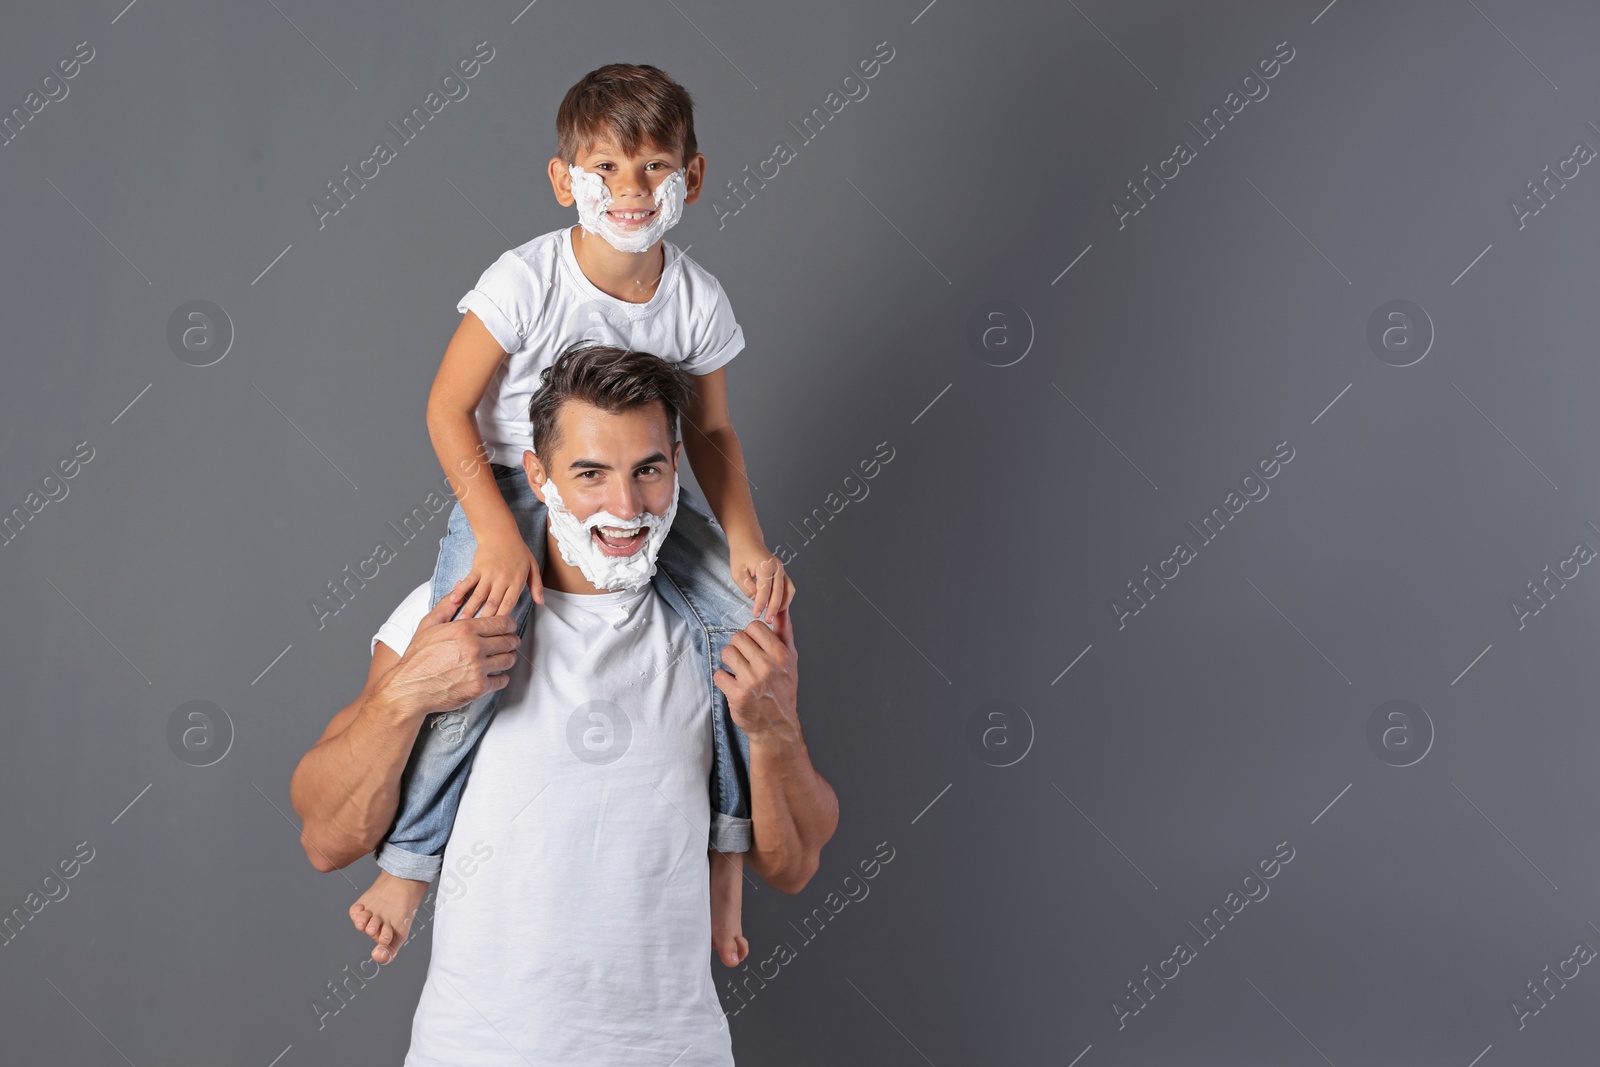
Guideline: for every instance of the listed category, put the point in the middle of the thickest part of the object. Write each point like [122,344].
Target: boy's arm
[718,461]
[470,360]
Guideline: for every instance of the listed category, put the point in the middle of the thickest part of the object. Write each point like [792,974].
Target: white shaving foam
[594,198]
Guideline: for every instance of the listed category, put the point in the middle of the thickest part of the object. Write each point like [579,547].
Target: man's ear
[561,182]
[535,471]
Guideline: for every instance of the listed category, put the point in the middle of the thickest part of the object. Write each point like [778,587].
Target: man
[577,922]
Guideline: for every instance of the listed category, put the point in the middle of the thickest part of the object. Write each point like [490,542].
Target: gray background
[1227,316]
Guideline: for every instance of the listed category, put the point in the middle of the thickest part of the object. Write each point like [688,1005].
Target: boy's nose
[627,184]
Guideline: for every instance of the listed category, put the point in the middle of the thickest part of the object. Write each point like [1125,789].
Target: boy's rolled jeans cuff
[403,864]
[729,834]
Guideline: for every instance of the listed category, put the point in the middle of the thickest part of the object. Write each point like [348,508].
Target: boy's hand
[501,566]
[762,577]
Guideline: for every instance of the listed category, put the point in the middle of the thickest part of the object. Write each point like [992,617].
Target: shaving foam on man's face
[613,553]
[627,230]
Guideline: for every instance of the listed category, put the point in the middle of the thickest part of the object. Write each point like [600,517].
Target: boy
[628,159]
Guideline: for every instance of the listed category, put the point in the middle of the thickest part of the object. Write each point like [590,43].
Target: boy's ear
[693,180]
[561,182]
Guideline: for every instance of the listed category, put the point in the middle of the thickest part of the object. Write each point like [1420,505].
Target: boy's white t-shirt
[572,922]
[536,301]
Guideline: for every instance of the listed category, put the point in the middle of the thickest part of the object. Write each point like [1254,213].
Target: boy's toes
[731,950]
[359,915]
[383,951]
[388,943]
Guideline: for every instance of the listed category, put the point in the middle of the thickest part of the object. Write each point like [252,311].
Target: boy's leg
[727,907]
[384,913]
[441,759]
[695,557]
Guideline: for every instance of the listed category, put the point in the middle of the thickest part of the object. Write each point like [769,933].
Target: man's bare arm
[347,788]
[793,809]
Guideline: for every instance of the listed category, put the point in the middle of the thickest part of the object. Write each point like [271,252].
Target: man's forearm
[347,788]
[793,810]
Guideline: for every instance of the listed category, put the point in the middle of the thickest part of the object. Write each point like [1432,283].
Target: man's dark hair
[610,378]
[632,102]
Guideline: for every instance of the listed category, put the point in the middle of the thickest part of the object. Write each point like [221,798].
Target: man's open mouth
[618,541]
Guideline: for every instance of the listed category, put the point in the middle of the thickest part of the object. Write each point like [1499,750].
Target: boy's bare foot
[727,908]
[384,913]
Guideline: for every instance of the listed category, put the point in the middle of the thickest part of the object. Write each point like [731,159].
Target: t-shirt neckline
[607,599]
[672,256]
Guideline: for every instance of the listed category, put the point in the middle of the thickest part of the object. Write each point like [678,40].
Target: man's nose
[624,501]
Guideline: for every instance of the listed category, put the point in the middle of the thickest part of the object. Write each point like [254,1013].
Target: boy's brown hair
[610,378]
[633,102]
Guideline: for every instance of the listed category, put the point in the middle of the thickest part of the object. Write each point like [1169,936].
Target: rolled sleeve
[730,834]
[503,301]
[722,339]
[499,326]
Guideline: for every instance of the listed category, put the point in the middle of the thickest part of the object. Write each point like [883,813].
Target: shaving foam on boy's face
[595,205]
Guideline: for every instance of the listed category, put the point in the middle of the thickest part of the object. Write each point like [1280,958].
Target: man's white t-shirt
[536,301]
[572,922]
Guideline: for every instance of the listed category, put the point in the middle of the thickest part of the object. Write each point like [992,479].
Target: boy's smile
[631,217]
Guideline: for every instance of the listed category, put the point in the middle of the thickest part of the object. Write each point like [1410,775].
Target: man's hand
[763,687]
[762,577]
[793,809]
[449,664]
